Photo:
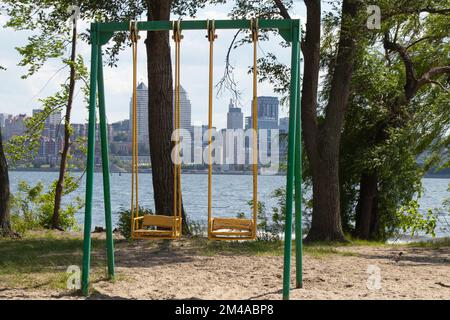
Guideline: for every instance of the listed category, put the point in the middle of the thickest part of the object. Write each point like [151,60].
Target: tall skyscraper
[142,113]
[267,113]
[185,110]
[235,117]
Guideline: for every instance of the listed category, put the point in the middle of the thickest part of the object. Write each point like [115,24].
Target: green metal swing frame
[101,33]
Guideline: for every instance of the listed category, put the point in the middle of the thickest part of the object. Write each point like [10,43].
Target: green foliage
[124,224]
[384,131]
[270,228]
[412,220]
[32,206]
[196,228]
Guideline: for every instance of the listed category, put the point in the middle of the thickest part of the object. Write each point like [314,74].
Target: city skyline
[119,132]
[185,105]
[118,80]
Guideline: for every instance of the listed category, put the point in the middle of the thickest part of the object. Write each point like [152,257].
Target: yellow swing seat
[234,228]
[155,226]
[169,223]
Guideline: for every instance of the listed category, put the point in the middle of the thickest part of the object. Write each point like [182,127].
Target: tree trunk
[365,213]
[160,110]
[5,224]
[67,131]
[326,223]
[323,142]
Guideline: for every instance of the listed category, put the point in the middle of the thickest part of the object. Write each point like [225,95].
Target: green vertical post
[298,187]
[90,162]
[105,166]
[291,159]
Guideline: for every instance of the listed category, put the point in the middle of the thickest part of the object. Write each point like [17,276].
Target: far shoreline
[190,171]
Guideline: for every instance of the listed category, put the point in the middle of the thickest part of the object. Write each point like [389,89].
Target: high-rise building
[142,113]
[267,112]
[267,119]
[248,123]
[268,107]
[235,117]
[53,118]
[15,126]
[185,110]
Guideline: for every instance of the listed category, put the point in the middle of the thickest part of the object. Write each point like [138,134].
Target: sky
[22,96]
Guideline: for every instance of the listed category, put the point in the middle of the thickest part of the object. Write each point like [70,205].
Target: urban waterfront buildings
[235,117]
[119,133]
[142,113]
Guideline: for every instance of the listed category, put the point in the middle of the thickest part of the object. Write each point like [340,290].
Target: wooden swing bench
[157,227]
[231,228]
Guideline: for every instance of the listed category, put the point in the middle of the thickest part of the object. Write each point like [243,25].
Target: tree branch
[283,11]
[411,80]
[227,82]
[412,83]
[433,72]
[418,41]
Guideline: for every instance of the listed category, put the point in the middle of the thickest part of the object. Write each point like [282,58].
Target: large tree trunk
[67,130]
[323,142]
[5,224]
[160,109]
[326,223]
[367,203]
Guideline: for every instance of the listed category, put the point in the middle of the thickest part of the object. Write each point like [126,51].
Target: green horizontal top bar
[280,24]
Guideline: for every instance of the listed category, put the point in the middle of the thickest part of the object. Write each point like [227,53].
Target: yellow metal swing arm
[155,226]
[234,228]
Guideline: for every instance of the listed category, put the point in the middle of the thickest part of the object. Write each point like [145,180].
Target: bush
[197,229]
[412,220]
[32,207]
[124,224]
[270,229]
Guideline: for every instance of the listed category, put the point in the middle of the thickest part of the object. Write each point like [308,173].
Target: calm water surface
[230,193]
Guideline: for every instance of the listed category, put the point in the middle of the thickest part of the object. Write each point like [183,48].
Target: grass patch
[42,260]
[262,248]
[317,251]
[435,244]
[253,248]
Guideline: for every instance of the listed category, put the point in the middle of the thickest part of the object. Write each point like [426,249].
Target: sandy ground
[181,273]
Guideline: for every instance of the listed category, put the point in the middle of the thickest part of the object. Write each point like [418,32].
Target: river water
[230,194]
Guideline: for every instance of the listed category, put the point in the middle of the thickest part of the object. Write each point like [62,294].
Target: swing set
[168,225]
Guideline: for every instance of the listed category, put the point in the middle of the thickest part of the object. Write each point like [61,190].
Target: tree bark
[67,132]
[160,110]
[5,224]
[366,205]
[323,142]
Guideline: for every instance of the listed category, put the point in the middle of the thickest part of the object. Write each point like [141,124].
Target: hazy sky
[21,96]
